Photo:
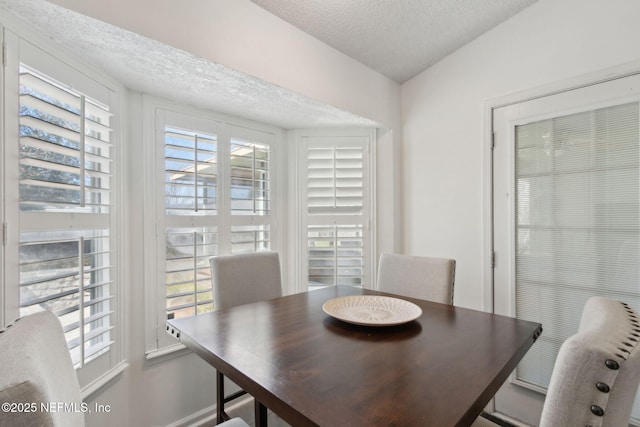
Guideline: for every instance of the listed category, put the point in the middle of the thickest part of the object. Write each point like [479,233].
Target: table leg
[260,414]
[219,397]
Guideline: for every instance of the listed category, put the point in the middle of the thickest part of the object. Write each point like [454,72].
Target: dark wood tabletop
[313,370]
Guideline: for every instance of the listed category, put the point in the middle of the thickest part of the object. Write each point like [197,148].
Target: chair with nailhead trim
[597,372]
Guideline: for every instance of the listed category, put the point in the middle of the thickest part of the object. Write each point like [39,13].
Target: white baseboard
[198,419]
[207,416]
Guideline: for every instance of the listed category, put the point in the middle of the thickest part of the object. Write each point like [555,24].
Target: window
[337,218]
[191,168]
[215,196]
[69,273]
[61,167]
[250,178]
[65,167]
[191,189]
[336,255]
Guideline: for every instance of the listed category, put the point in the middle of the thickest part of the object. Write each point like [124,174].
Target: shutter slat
[36,107]
[334,181]
[49,128]
[50,166]
[97,144]
[46,146]
[39,84]
[335,255]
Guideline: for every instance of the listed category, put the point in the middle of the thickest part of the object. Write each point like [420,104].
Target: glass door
[566,219]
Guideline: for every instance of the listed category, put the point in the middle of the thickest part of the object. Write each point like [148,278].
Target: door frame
[590,79]
[488,248]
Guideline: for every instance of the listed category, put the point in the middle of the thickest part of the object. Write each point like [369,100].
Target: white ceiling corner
[398,38]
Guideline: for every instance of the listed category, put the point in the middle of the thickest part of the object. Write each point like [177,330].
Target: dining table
[313,367]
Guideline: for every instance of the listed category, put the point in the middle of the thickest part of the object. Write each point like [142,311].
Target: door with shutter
[566,219]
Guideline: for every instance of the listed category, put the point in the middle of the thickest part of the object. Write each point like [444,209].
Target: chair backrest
[36,368]
[245,278]
[417,277]
[596,374]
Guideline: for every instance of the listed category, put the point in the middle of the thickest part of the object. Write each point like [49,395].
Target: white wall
[443,117]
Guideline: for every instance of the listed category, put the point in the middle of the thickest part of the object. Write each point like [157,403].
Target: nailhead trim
[9,325]
[626,347]
[597,411]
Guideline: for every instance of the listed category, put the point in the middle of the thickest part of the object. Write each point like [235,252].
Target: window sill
[166,353]
[97,385]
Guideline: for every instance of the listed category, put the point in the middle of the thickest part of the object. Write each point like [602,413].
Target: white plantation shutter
[69,273]
[251,238]
[336,255]
[250,177]
[188,276]
[66,262]
[217,193]
[251,195]
[191,195]
[337,210]
[65,148]
[577,222]
[191,172]
[335,180]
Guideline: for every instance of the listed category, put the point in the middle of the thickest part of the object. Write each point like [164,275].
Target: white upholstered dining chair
[417,277]
[597,371]
[237,280]
[35,369]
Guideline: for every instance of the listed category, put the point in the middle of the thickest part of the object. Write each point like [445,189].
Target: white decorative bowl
[372,310]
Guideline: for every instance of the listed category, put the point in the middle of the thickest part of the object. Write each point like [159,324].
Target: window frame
[21,45]
[158,113]
[164,221]
[331,138]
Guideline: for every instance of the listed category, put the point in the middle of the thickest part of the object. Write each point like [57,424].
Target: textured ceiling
[152,67]
[398,38]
